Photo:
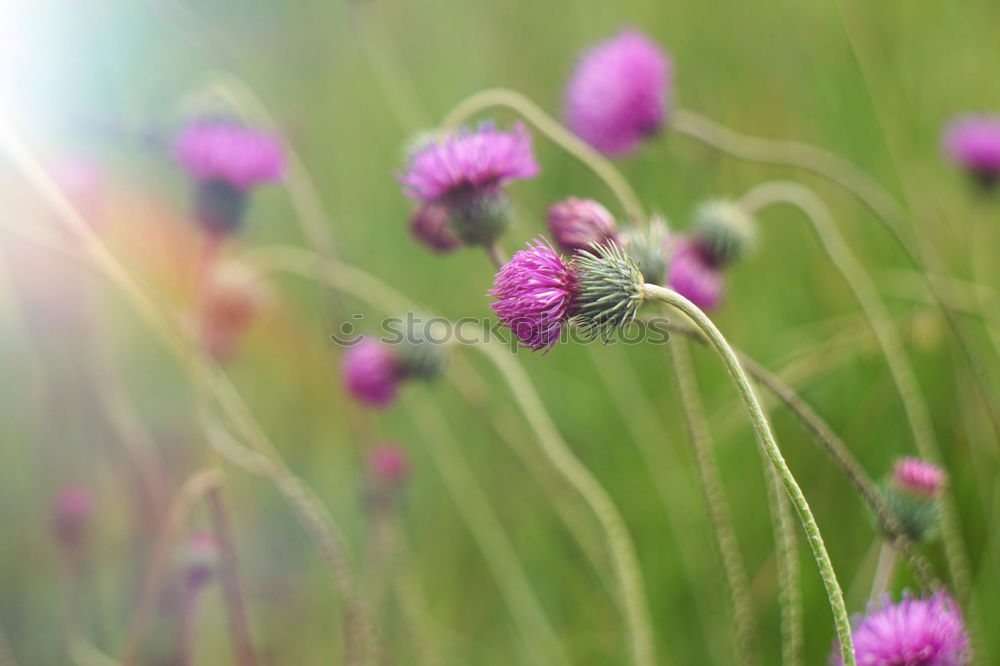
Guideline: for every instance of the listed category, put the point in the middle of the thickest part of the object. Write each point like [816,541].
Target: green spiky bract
[610,289]
[479,218]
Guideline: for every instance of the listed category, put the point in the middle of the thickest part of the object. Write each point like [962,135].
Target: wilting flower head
[973,142]
[724,230]
[199,559]
[577,223]
[431,225]
[388,464]
[232,296]
[372,372]
[538,292]
[918,477]
[694,275]
[914,632]
[226,160]
[467,171]
[619,93]
[71,515]
[535,295]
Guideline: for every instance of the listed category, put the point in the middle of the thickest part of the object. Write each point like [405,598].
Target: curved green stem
[633,596]
[718,506]
[767,441]
[887,210]
[903,375]
[788,572]
[562,137]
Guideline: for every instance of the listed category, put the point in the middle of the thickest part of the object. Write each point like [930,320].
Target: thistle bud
[576,224]
[648,248]
[911,494]
[724,230]
[421,352]
[199,558]
[71,515]
[430,224]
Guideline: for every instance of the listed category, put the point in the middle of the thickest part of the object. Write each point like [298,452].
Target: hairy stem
[633,596]
[194,489]
[765,437]
[562,137]
[718,507]
[903,375]
[788,572]
[239,627]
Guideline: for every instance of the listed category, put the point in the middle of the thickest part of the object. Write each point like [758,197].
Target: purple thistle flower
[372,373]
[466,172]
[918,477]
[535,295]
[71,515]
[914,632]
[576,223]
[199,559]
[388,464]
[481,160]
[973,142]
[619,93]
[429,224]
[694,276]
[230,152]
[226,160]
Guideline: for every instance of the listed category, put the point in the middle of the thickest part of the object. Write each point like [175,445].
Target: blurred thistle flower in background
[649,248]
[918,477]
[973,143]
[724,230]
[693,274]
[71,515]
[575,224]
[466,172]
[227,160]
[372,372]
[535,295]
[538,292]
[912,494]
[914,632]
[388,465]
[619,93]
[430,224]
[232,296]
[198,559]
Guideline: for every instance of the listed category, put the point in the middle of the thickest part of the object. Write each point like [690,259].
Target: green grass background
[872,81]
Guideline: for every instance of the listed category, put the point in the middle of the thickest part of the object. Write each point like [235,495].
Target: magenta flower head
[199,559]
[538,293]
[577,223]
[388,464]
[618,94]
[694,275]
[914,632]
[71,515]
[227,160]
[918,477]
[466,172]
[372,372]
[973,143]
[535,295]
[430,224]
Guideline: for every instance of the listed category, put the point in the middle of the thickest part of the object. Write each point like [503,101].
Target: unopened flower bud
[576,224]
[648,248]
[724,230]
